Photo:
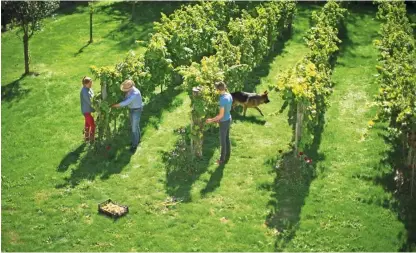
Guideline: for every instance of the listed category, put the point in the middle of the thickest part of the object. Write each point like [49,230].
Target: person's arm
[125,102]
[218,117]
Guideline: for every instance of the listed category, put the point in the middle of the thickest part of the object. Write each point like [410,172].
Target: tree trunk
[90,26]
[133,10]
[104,91]
[298,129]
[196,143]
[26,52]
[412,181]
[410,153]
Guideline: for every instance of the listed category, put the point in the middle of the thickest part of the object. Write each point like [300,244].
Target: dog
[249,100]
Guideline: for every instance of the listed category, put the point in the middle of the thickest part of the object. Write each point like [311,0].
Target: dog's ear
[266,92]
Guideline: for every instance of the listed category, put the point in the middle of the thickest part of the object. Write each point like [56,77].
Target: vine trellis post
[195,147]
[411,157]
[298,128]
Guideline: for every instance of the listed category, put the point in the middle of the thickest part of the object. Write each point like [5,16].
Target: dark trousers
[135,115]
[225,140]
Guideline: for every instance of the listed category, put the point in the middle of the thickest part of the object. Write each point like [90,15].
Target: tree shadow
[182,170]
[395,178]
[357,13]
[112,157]
[81,50]
[13,91]
[294,173]
[71,7]
[293,176]
[140,27]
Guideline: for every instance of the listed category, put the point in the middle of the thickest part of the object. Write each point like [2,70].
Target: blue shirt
[226,101]
[133,99]
[85,95]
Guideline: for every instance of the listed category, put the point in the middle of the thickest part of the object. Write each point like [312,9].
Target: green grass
[52,183]
[344,209]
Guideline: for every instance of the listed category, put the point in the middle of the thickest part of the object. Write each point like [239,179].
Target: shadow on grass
[214,181]
[356,17]
[81,50]
[304,9]
[13,91]
[71,7]
[237,116]
[139,27]
[395,179]
[112,157]
[291,185]
[71,158]
[182,170]
[100,161]
[295,173]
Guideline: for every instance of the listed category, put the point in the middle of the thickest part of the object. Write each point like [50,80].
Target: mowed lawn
[52,183]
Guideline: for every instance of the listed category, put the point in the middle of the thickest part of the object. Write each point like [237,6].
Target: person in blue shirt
[86,109]
[224,119]
[134,101]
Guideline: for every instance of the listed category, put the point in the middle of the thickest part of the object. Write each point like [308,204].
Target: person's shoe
[133,149]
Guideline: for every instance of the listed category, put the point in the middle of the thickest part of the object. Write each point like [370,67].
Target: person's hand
[113,106]
[208,121]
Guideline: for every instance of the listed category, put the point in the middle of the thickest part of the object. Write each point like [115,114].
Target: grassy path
[345,209]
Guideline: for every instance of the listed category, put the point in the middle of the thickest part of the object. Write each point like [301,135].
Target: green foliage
[256,34]
[248,41]
[185,36]
[309,82]
[28,15]
[397,67]
[131,68]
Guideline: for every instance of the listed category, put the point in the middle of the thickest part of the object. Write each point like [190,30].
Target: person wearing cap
[86,109]
[133,100]
[224,119]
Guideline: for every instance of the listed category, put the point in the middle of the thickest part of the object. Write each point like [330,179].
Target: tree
[91,4]
[28,16]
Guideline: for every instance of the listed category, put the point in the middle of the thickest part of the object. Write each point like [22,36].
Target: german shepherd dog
[249,100]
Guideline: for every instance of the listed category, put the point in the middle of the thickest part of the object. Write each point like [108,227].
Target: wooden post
[411,160]
[196,91]
[103,90]
[298,129]
[412,146]
[301,121]
[133,10]
[410,153]
[91,12]
[412,181]
[103,128]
